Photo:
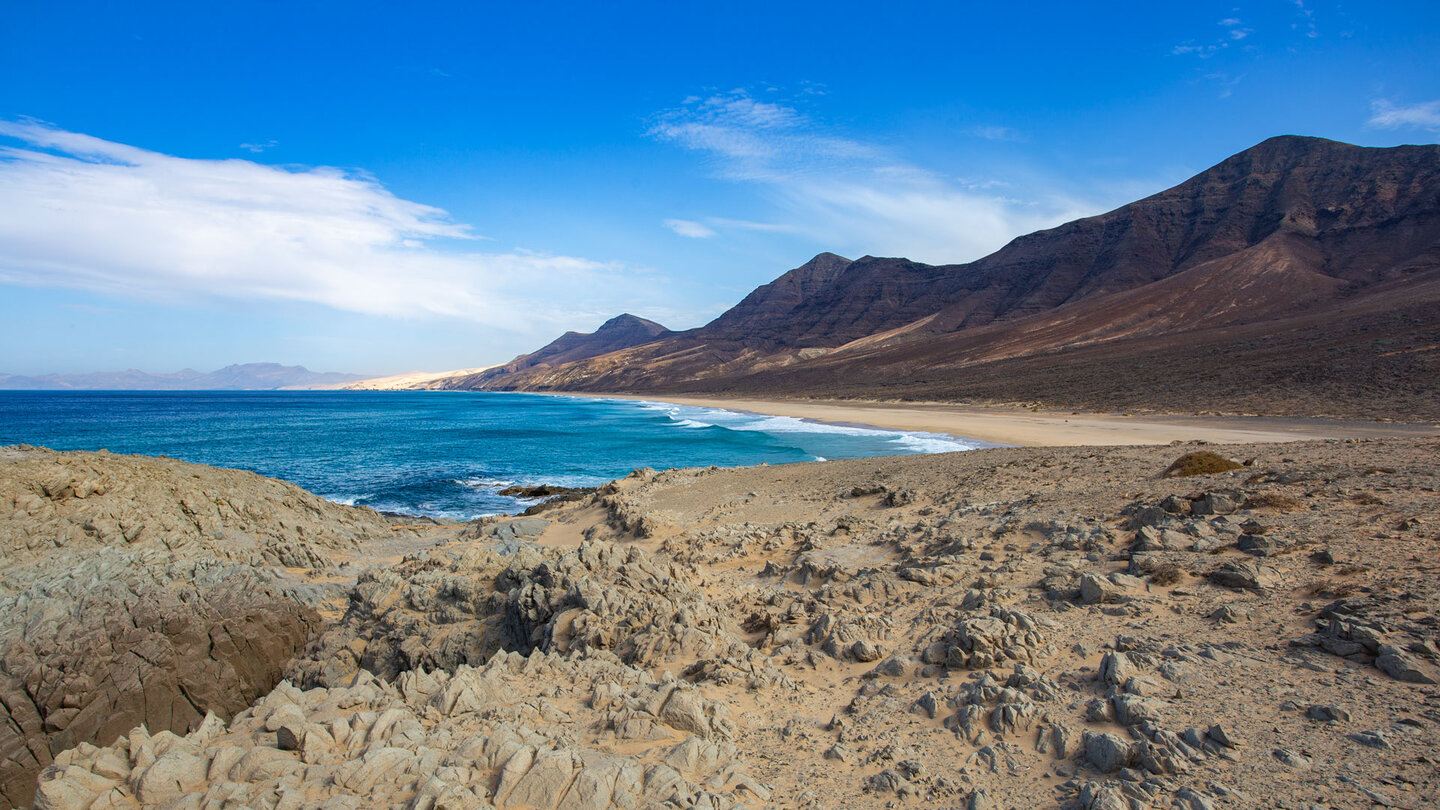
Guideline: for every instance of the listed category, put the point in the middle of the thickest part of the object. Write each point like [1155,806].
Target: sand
[1041,428]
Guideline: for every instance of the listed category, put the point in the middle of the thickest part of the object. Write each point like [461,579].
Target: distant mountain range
[1301,277]
[245,377]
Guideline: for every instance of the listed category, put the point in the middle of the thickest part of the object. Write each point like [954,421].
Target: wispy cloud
[1202,51]
[91,214]
[259,147]
[685,227]
[996,133]
[1306,22]
[1385,114]
[845,194]
[1235,29]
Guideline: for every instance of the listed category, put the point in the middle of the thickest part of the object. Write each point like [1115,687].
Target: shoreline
[1046,428]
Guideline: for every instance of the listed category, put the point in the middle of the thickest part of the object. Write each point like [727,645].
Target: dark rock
[1328,714]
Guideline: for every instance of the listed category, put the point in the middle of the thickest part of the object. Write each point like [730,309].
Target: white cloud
[259,147]
[86,213]
[847,195]
[686,227]
[1386,115]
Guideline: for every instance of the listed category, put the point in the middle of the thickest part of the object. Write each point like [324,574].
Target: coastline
[1044,428]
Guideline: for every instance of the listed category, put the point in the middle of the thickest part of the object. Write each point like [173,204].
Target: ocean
[437,454]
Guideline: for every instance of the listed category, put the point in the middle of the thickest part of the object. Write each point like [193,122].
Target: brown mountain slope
[1305,245]
[620,332]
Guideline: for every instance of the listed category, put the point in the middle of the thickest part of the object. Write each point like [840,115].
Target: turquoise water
[440,454]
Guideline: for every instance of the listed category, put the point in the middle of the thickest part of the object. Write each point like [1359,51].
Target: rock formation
[147,591]
[1059,627]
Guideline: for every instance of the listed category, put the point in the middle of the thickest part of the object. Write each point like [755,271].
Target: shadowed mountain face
[1299,253]
[243,377]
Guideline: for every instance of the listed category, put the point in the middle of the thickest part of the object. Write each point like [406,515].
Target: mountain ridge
[620,332]
[1294,230]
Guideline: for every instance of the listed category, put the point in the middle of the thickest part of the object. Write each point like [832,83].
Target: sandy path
[1054,428]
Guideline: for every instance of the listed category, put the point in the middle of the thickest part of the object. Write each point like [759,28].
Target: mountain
[246,377]
[1301,276]
[620,332]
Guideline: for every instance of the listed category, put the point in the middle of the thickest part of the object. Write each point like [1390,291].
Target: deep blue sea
[441,454]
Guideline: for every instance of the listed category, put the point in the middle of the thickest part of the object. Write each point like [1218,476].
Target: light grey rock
[1094,590]
[1108,753]
[1372,739]
[1220,736]
[1290,759]
[1116,668]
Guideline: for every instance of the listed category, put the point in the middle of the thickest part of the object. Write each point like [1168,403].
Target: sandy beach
[1025,428]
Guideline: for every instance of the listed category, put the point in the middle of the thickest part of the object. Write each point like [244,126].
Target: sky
[379,187]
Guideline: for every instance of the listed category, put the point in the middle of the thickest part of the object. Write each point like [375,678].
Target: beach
[1051,428]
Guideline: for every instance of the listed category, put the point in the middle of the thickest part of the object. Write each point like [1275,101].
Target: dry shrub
[1166,574]
[1200,462]
[1278,501]
[1331,589]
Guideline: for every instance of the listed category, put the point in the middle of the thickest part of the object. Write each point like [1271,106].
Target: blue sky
[380,188]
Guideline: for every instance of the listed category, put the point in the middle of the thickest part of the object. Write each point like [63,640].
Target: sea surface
[437,454]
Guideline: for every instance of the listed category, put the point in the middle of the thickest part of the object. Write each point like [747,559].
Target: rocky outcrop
[1044,627]
[121,639]
[476,737]
[145,591]
[600,597]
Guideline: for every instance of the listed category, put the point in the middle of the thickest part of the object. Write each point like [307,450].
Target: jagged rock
[380,750]
[1238,575]
[1116,668]
[1107,752]
[1290,759]
[160,605]
[1397,664]
[1328,714]
[992,639]
[1229,614]
[1214,503]
[1372,739]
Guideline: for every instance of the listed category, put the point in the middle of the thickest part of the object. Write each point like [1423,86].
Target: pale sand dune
[1053,428]
[410,380]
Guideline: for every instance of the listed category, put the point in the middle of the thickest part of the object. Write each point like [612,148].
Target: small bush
[1200,462]
[1278,501]
[1332,589]
[1167,574]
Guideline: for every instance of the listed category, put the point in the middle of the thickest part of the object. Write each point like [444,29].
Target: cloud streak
[91,214]
[849,195]
[1385,114]
[687,228]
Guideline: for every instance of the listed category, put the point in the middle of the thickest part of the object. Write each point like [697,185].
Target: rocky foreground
[149,592]
[999,628]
